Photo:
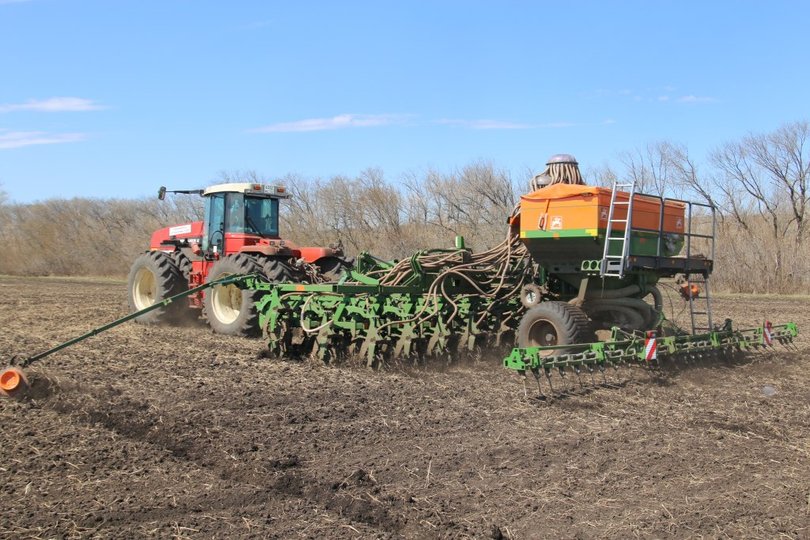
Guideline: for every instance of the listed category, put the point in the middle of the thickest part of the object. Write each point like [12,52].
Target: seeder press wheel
[554,323]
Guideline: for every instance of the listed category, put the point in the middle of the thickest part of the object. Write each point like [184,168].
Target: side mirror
[162,193]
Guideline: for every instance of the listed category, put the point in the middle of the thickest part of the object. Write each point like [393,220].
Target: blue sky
[114,98]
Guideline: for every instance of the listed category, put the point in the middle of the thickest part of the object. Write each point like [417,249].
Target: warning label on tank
[180,229]
[556,222]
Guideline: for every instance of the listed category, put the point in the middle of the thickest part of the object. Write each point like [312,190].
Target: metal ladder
[615,265]
[700,305]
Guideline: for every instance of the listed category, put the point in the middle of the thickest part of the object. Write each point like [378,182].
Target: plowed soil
[177,432]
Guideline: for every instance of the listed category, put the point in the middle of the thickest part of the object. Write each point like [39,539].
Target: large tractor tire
[331,268]
[278,271]
[183,263]
[229,309]
[554,323]
[154,276]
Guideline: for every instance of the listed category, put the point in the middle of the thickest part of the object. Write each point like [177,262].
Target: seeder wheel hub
[543,334]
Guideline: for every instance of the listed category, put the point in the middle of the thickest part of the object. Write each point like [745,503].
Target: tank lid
[562,158]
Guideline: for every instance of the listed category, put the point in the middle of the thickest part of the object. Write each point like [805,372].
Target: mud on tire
[554,323]
[154,276]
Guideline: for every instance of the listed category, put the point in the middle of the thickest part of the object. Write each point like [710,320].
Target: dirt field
[176,432]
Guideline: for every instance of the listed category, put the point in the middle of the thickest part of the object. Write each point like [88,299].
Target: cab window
[214,223]
[261,216]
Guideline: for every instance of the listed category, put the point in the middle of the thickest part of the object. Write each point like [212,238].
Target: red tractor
[239,235]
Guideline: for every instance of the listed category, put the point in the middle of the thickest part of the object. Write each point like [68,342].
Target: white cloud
[345,121]
[663,94]
[500,124]
[54,104]
[483,124]
[696,99]
[557,125]
[341,121]
[19,139]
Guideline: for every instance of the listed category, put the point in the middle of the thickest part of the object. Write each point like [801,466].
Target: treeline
[366,213]
[759,184]
[83,237]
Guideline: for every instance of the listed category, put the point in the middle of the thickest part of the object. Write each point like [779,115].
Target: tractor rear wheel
[154,277]
[229,309]
[183,263]
[331,268]
[277,271]
[554,323]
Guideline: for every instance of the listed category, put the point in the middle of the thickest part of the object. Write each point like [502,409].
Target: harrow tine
[548,378]
[616,381]
[624,356]
[629,370]
[604,377]
[561,371]
[579,377]
[525,390]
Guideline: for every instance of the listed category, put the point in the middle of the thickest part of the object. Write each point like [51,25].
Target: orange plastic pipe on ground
[13,383]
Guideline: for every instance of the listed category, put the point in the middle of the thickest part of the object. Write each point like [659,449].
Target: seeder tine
[561,371]
[540,395]
[629,370]
[525,390]
[604,377]
[623,351]
[590,371]
[789,344]
[578,372]
[613,375]
[547,372]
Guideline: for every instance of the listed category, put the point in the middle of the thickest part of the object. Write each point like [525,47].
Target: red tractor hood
[187,231]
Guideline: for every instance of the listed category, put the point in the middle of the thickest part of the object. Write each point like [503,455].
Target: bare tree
[784,158]
[651,168]
[766,177]
[602,175]
[685,174]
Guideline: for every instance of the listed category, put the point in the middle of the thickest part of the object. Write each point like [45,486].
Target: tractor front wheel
[154,276]
[229,309]
[554,323]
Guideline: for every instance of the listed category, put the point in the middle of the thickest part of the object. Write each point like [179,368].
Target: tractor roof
[249,188]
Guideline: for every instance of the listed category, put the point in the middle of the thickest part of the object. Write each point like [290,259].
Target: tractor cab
[238,215]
